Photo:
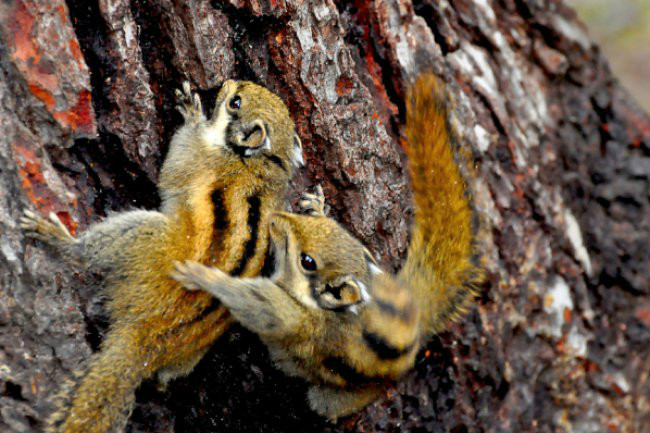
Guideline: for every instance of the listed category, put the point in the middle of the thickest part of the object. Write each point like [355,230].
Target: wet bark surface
[559,339]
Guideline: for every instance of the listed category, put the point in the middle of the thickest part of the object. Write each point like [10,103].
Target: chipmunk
[327,312]
[221,180]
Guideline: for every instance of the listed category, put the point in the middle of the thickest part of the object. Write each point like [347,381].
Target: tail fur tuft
[440,266]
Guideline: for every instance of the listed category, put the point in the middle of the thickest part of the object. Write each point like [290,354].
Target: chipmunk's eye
[235,103]
[307,262]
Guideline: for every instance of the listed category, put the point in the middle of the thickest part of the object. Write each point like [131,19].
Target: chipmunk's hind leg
[176,370]
[52,232]
[333,403]
[101,398]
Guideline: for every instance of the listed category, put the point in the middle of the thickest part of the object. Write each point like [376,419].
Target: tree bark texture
[559,340]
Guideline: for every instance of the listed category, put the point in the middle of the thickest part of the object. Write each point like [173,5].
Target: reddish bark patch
[81,117]
[36,188]
[637,125]
[344,86]
[642,313]
[42,94]
[379,94]
[63,94]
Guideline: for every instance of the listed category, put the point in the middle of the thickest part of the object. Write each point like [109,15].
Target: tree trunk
[559,341]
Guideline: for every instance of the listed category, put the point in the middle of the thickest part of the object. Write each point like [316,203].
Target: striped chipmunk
[327,312]
[221,181]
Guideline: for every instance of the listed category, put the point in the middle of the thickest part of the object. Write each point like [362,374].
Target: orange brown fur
[328,314]
[219,186]
[439,267]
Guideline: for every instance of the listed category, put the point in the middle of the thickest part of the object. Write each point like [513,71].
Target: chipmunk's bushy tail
[439,267]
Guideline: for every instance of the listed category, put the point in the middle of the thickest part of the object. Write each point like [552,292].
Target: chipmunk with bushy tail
[327,312]
[222,179]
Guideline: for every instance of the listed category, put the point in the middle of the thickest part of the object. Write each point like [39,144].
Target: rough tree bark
[560,338]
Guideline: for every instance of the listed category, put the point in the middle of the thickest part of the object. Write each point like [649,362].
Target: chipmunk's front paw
[195,276]
[39,228]
[314,204]
[189,104]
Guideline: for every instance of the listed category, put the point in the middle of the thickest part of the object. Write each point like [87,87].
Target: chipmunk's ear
[296,156]
[343,295]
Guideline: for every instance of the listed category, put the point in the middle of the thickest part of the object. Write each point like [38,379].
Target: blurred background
[622,29]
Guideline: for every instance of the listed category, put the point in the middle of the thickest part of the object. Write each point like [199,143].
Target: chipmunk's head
[254,125]
[249,138]
[364,322]
[320,263]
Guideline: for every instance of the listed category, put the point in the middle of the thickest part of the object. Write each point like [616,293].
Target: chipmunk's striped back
[222,179]
[328,313]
